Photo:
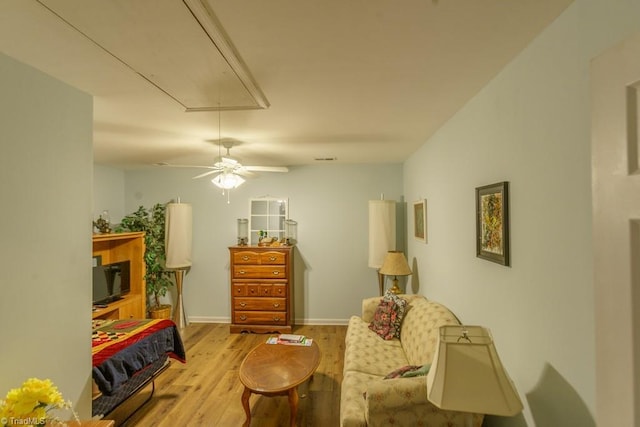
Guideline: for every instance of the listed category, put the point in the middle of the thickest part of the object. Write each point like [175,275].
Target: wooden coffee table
[277,370]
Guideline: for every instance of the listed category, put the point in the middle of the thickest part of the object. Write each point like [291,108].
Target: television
[110,281]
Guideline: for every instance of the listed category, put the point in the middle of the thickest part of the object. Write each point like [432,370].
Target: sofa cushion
[352,400]
[402,402]
[388,316]
[420,328]
[366,352]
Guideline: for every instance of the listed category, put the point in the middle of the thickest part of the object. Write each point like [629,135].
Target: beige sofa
[367,398]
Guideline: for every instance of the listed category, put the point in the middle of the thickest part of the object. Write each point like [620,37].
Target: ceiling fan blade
[169,165]
[242,171]
[266,168]
[202,175]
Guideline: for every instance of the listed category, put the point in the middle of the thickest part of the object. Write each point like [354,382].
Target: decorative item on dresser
[261,289]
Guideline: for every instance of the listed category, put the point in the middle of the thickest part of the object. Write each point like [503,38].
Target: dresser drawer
[259,272]
[246,257]
[272,290]
[239,290]
[279,290]
[259,318]
[248,290]
[259,304]
[272,258]
[264,258]
[259,289]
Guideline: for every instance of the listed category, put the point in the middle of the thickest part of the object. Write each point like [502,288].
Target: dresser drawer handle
[242,272]
[243,304]
[245,258]
[276,272]
[243,317]
[276,319]
[276,305]
[272,258]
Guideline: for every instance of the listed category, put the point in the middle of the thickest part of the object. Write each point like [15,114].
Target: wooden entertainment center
[116,247]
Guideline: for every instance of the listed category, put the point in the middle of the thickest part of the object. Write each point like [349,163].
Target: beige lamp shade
[382,230]
[178,233]
[466,374]
[395,264]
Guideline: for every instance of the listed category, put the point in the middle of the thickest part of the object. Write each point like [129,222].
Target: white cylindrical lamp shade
[178,233]
[382,230]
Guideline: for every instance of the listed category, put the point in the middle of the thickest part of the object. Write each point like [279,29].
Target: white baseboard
[322,322]
[212,319]
[208,319]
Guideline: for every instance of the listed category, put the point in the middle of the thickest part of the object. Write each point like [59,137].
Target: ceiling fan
[228,170]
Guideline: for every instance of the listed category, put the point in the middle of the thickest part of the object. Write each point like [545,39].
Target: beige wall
[530,126]
[45,224]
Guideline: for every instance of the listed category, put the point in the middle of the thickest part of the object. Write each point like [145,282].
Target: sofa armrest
[401,401]
[369,306]
[383,395]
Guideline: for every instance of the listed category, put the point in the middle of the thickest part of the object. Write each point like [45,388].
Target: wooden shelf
[116,247]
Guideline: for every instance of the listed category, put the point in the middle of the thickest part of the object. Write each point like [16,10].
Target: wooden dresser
[261,289]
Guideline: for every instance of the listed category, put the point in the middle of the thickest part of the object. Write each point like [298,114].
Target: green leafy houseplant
[152,222]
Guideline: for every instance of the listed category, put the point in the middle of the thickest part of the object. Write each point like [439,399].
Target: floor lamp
[178,234]
[382,234]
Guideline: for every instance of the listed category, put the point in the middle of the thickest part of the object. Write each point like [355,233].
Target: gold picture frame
[420,220]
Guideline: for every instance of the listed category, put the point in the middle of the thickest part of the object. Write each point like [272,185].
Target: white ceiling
[364,81]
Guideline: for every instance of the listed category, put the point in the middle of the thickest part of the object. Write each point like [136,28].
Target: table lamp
[467,376]
[395,264]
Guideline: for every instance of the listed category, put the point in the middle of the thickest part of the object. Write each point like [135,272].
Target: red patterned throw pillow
[388,316]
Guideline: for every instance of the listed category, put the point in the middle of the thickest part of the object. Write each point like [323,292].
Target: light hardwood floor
[206,390]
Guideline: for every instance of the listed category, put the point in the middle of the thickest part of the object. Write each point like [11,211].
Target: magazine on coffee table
[288,339]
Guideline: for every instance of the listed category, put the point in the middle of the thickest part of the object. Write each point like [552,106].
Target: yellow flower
[32,401]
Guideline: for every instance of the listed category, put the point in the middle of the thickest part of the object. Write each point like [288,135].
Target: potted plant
[157,278]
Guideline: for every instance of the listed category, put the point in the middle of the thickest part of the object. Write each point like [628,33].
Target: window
[267,214]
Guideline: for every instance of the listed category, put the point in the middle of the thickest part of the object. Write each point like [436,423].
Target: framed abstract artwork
[492,223]
[420,220]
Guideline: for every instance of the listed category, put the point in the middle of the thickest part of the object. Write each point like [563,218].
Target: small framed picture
[492,223]
[420,220]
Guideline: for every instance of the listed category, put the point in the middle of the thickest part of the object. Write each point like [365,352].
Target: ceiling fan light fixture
[227,181]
